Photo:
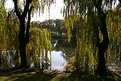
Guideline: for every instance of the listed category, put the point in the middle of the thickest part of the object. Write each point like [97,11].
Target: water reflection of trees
[87,62]
[8,58]
[68,50]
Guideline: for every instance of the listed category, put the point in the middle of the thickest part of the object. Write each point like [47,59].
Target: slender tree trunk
[73,38]
[46,60]
[17,58]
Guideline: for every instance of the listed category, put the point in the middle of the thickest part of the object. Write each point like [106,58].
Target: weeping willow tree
[2,28]
[8,33]
[84,56]
[12,35]
[28,5]
[40,43]
[93,35]
[12,31]
[114,26]
[3,15]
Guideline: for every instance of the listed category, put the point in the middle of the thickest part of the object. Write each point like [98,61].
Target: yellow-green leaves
[39,43]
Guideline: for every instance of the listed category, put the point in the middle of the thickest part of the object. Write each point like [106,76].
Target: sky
[55,11]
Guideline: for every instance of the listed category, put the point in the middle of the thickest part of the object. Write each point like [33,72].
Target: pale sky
[55,11]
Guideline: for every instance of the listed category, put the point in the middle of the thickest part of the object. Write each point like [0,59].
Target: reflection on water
[60,54]
[58,62]
[7,58]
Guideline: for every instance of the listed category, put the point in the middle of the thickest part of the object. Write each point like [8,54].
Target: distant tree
[53,25]
[35,24]
[58,24]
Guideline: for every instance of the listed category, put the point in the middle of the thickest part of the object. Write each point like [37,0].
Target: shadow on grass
[87,77]
[17,74]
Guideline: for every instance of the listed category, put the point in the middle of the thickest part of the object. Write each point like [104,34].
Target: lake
[60,55]
[8,58]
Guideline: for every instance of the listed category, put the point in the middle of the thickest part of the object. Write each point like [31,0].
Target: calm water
[57,61]
[60,54]
[8,58]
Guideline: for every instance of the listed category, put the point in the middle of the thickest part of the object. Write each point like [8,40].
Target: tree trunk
[22,50]
[101,68]
[22,44]
[73,38]
[102,47]
[23,37]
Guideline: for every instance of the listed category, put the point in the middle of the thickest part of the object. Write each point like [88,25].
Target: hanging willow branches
[40,43]
[91,28]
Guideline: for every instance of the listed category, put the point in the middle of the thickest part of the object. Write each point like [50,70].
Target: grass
[17,74]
